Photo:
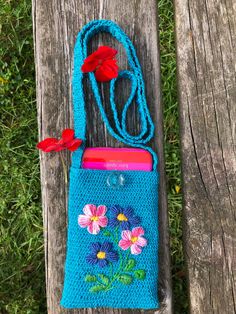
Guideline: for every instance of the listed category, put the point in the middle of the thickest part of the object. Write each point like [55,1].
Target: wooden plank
[56,24]
[206,53]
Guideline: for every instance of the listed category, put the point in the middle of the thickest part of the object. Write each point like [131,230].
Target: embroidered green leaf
[107,233]
[140,274]
[90,278]
[130,265]
[104,279]
[97,288]
[125,279]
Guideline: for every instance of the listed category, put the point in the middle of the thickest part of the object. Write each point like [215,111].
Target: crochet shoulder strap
[137,91]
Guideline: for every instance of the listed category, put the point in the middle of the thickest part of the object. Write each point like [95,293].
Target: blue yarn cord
[137,92]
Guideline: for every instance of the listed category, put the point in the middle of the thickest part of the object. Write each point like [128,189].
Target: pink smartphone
[104,158]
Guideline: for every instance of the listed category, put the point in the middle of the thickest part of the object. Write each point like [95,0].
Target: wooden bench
[206,54]
[56,25]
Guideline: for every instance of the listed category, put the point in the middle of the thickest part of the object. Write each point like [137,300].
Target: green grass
[172,154]
[21,232]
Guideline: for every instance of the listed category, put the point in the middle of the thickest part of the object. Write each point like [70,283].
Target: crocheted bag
[114,261]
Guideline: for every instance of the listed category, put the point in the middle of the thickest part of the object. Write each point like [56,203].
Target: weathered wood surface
[56,24]
[206,56]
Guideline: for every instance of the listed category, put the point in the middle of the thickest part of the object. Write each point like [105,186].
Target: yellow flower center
[94,218]
[134,239]
[122,217]
[101,255]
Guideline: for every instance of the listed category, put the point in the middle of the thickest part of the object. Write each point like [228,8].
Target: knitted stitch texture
[111,266]
[139,191]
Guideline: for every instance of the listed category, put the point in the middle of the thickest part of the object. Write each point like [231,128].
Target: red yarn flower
[102,63]
[67,141]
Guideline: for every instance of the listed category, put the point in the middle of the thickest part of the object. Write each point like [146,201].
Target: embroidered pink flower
[133,240]
[93,218]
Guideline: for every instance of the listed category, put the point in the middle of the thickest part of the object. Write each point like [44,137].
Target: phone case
[112,244]
[107,158]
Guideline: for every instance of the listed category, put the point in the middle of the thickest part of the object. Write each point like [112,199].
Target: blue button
[116,180]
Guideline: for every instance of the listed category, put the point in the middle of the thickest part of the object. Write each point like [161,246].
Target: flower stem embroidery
[125,274]
[109,252]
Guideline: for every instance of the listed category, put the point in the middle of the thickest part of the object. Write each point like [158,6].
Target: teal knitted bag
[113,263]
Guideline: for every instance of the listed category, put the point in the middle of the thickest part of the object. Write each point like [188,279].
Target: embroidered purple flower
[102,254]
[123,217]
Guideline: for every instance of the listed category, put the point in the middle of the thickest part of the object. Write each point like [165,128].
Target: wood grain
[56,24]
[206,53]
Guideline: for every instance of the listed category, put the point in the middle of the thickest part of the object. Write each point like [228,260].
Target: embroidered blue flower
[102,254]
[123,217]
